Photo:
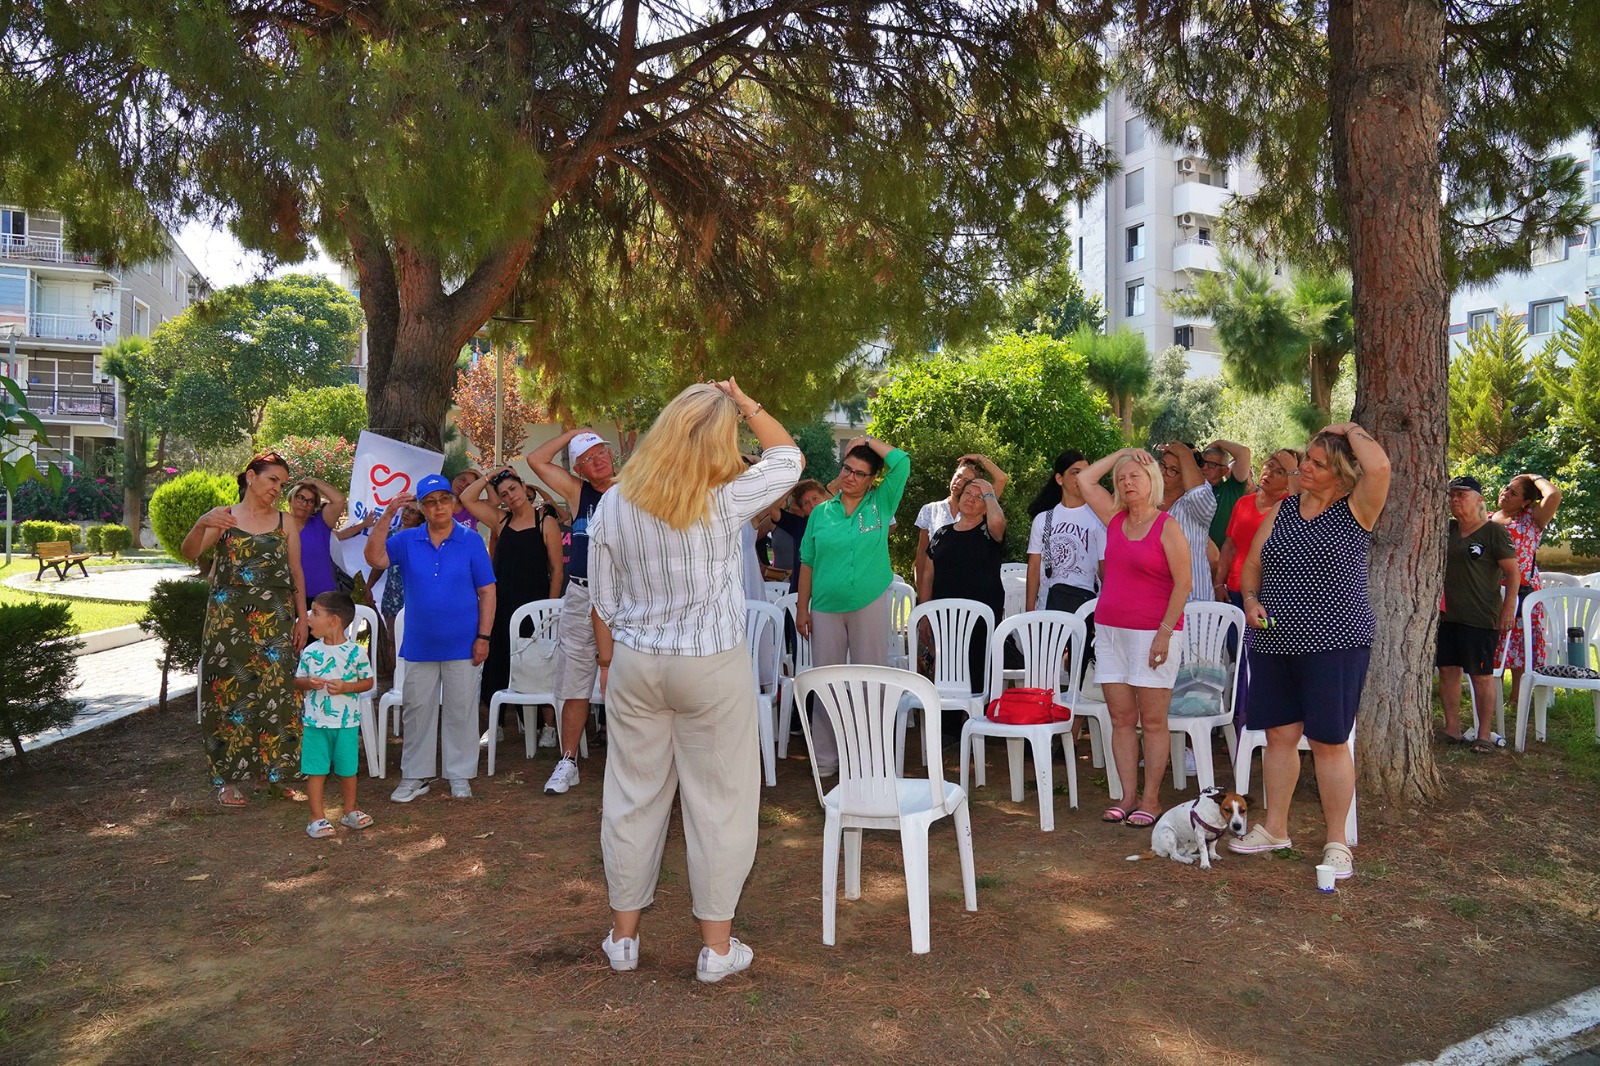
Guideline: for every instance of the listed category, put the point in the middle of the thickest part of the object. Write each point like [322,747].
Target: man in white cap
[592,474]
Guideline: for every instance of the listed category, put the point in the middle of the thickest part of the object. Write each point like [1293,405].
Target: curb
[1543,1037]
[106,639]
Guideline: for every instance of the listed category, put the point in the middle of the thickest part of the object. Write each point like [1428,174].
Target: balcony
[1193,198]
[43,250]
[1196,253]
[84,329]
[66,401]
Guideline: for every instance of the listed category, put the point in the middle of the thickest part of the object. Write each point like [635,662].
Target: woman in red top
[1281,472]
[1147,580]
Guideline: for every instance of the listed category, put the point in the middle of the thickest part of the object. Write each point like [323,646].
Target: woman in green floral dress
[255,628]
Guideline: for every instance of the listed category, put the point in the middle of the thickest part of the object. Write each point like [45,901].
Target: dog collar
[1198,822]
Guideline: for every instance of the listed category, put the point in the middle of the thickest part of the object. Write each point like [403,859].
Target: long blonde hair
[692,448]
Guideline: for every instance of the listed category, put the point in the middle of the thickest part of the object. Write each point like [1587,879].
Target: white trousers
[429,728]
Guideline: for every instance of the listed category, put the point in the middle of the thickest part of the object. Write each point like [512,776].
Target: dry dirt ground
[143,924]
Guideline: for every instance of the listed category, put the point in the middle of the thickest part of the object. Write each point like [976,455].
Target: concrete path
[122,584]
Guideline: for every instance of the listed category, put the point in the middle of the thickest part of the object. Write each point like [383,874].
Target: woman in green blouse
[845,574]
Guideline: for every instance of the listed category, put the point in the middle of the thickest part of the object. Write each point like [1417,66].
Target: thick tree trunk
[134,467]
[1387,115]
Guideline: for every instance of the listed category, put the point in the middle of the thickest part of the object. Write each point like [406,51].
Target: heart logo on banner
[381,476]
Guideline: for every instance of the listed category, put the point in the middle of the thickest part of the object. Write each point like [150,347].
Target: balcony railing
[90,329]
[42,250]
[70,401]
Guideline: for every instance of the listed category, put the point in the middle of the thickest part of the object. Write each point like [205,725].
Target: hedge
[115,539]
[177,505]
[38,530]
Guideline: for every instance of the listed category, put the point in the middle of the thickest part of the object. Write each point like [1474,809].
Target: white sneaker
[460,789]
[409,789]
[547,737]
[712,967]
[624,953]
[563,778]
[499,737]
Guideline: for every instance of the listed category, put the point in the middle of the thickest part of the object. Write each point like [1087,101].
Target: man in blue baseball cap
[449,611]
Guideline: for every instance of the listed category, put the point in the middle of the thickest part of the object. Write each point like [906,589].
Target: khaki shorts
[580,659]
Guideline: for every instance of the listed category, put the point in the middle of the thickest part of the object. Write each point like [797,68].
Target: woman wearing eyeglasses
[1281,472]
[845,574]
[527,567]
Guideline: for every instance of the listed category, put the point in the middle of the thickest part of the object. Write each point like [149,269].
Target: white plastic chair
[1552,580]
[545,617]
[1252,740]
[776,590]
[1590,581]
[861,702]
[763,629]
[1046,637]
[951,623]
[395,698]
[800,664]
[1206,626]
[1015,585]
[1096,716]
[901,599]
[372,741]
[1014,568]
[1564,607]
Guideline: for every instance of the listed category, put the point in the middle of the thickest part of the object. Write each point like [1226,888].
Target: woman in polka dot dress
[1527,505]
[1311,630]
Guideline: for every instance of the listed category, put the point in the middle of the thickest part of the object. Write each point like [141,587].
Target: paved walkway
[114,684]
[122,584]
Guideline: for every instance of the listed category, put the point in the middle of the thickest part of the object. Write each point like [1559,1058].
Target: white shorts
[1122,656]
[580,663]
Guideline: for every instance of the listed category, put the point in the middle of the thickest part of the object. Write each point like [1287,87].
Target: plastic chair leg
[1044,779]
[978,780]
[1180,776]
[785,715]
[830,875]
[1097,745]
[964,755]
[495,704]
[852,862]
[764,730]
[371,738]
[1205,772]
[1542,698]
[914,846]
[962,816]
[1070,752]
[1014,756]
[1231,736]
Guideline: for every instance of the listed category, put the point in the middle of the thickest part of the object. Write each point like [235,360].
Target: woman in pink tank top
[1141,605]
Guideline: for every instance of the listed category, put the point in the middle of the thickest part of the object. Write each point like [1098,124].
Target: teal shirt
[854,548]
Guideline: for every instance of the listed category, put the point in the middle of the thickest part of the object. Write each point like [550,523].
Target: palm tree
[1119,363]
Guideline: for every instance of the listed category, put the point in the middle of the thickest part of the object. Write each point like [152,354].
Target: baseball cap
[1466,484]
[431,484]
[581,444]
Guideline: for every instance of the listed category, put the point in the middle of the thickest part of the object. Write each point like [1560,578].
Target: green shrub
[36,530]
[38,668]
[70,532]
[177,506]
[176,616]
[78,497]
[91,539]
[115,538]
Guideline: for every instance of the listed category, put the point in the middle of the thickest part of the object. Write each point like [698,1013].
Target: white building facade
[58,309]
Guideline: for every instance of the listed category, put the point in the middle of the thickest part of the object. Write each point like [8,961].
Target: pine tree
[1497,397]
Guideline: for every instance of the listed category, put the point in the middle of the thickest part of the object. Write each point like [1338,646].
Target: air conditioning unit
[1186,221]
[1186,166]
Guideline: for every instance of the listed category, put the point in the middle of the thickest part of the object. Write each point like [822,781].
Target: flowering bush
[328,458]
[81,498]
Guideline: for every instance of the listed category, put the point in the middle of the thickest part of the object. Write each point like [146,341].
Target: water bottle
[1575,647]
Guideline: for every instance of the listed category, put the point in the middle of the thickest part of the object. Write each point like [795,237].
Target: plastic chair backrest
[1014,568]
[1206,625]
[1557,610]
[776,590]
[1045,638]
[1549,579]
[862,703]
[1015,586]
[366,618]
[546,618]
[763,626]
[802,645]
[952,623]
[901,599]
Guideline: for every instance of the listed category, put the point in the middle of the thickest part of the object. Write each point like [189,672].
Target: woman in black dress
[527,567]
[964,563]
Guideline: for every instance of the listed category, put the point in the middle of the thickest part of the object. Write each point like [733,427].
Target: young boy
[332,670]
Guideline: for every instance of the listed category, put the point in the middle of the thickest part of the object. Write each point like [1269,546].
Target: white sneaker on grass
[712,967]
[547,737]
[499,736]
[460,789]
[410,788]
[564,777]
[623,954]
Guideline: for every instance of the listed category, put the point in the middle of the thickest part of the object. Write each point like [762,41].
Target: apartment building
[1563,274]
[1152,230]
[58,309]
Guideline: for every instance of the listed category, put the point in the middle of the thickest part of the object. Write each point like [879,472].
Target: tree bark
[1387,116]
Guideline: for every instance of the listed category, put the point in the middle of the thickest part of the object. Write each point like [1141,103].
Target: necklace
[1135,528]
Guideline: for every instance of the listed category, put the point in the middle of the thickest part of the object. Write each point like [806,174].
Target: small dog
[1191,830]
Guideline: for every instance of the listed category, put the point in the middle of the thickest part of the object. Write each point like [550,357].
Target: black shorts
[1321,690]
[1472,648]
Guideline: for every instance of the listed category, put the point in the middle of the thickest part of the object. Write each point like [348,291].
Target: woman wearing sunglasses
[845,574]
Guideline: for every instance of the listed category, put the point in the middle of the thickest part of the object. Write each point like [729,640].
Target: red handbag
[1027,706]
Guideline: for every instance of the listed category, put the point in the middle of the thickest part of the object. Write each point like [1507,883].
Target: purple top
[316,558]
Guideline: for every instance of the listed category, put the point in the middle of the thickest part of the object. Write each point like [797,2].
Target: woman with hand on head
[665,572]
[1311,630]
[964,563]
[1527,505]
[527,567]
[256,624]
[1279,476]
[941,512]
[1141,606]
[843,602]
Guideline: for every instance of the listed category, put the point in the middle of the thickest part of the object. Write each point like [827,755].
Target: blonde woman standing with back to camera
[666,580]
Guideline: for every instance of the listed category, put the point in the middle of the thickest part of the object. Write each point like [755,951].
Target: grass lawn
[88,615]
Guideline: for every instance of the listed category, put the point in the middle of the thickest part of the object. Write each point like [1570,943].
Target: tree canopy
[1496,398]
[1119,364]
[324,411]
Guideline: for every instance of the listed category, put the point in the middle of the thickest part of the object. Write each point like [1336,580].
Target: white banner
[383,469]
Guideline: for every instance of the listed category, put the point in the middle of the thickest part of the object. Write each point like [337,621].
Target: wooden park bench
[58,555]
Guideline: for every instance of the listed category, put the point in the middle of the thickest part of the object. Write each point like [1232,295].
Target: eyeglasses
[854,471]
[311,501]
[1213,462]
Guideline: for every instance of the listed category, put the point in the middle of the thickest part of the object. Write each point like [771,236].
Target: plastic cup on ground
[1324,878]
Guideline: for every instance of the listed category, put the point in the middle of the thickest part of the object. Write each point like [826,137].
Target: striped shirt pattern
[668,591]
[1193,512]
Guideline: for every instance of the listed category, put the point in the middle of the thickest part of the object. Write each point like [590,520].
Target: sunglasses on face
[504,475]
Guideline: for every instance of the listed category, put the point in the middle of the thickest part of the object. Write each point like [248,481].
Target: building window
[1133,134]
[1553,251]
[1545,317]
[179,287]
[1080,255]
[1134,306]
[13,295]
[141,319]
[1594,238]
[1135,243]
[13,223]
[1183,335]
[1203,234]
[1133,188]
[1479,320]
